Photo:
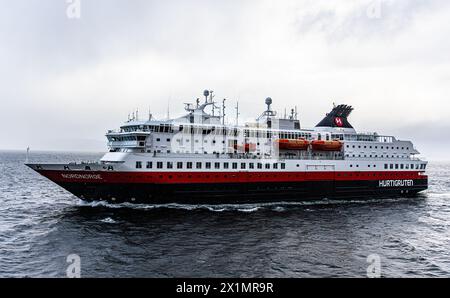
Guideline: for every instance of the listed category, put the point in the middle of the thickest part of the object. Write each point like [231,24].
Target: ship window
[374,166]
[351,166]
[391,166]
[275,166]
[259,165]
[110,168]
[396,166]
[386,166]
[179,165]
[158,139]
[189,165]
[198,165]
[283,166]
[417,166]
[368,166]
[149,164]
[251,165]
[87,168]
[208,165]
[401,166]
[267,165]
[225,165]
[170,165]
[234,165]
[357,166]
[139,165]
[168,140]
[159,165]
[243,165]
[407,166]
[217,165]
[353,146]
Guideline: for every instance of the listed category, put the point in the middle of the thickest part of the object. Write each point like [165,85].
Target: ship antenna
[206,95]
[237,113]
[168,109]
[149,114]
[223,111]
[137,114]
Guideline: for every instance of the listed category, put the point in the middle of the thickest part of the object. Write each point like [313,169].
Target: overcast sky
[66,81]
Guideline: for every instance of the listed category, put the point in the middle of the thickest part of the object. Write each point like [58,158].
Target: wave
[245,207]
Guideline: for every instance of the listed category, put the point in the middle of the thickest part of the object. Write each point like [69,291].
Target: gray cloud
[65,82]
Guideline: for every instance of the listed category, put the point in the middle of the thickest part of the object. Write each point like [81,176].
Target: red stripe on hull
[221,177]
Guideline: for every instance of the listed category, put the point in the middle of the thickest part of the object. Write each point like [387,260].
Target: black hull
[239,193]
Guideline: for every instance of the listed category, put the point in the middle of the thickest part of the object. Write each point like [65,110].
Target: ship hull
[127,187]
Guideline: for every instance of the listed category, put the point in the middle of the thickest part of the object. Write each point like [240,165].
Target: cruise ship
[201,158]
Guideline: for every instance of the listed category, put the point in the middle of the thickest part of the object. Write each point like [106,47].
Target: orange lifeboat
[250,147]
[289,144]
[321,145]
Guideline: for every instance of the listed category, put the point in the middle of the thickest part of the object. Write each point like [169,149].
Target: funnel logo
[338,121]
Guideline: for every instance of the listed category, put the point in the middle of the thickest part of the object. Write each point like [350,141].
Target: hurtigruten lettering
[396,183]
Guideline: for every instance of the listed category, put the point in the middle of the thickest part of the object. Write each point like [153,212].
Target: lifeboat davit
[289,144]
[321,145]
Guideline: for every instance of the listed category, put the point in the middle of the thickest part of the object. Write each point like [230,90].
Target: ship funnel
[337,117]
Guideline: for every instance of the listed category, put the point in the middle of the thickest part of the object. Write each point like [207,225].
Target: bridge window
[139,165]
[267,165]
[179,165]
[251,165]
[259,165]
[149,164]
[217,165]
[225,165]
[243,165]
[189,165]
[198,165]
[234,165]
[170,165]
[283,166]
[208,165]
[275,166]
[159,165]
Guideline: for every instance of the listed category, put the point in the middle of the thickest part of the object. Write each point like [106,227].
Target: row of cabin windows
[404,166]
[376,155]
[211,165]
[376,147]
